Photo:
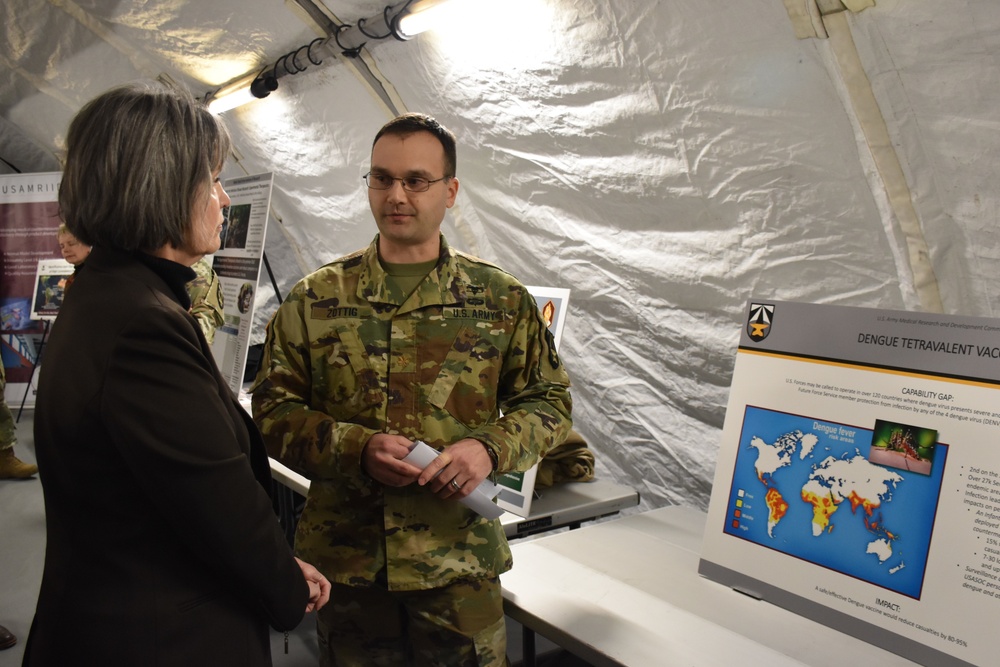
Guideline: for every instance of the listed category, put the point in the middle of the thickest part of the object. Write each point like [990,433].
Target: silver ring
[455,485]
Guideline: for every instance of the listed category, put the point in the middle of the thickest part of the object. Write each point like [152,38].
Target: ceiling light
[230,96]
[421,16]
[402,21]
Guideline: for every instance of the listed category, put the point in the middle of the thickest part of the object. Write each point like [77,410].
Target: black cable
[274,283]
[299,50]
[352,52]
[309,51]
[361,27]
[10,165]
[256,370]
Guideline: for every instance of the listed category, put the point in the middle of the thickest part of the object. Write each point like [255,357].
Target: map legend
[738,509]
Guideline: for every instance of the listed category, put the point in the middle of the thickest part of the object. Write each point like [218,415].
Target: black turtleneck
[177,276]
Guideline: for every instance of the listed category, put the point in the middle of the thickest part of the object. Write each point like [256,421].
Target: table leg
[527,646]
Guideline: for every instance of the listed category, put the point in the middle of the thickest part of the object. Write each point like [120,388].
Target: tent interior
[666,161]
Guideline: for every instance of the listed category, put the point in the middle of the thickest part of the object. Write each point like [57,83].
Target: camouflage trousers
[7,435]
[461,625]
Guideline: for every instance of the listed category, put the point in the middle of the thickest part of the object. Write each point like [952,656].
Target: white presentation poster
[518,488]
[237,263]
[50,288]
[858,479]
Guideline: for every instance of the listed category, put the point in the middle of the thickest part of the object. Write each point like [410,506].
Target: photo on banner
[858,478]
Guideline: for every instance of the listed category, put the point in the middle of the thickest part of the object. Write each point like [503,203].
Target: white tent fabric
[664,160]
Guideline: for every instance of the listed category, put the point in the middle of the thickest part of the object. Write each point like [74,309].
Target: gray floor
[22,548]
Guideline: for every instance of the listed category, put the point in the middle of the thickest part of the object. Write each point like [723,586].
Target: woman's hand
[319,586]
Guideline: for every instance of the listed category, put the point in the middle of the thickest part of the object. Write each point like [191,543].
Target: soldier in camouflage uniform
[408,340]
[10,466]
[206,299]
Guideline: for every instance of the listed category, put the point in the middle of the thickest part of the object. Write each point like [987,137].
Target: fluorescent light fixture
[234,98]
[403,21]
[231,95]
[424,15]
[242,91]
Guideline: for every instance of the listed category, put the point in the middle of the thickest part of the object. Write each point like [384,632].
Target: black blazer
[162,544]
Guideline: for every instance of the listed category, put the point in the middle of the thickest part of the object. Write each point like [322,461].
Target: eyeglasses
[410,183]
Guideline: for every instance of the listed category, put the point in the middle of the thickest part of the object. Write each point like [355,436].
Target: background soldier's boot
[7,638]
[13,468]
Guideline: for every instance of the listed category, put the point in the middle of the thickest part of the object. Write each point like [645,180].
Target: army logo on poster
[759,321]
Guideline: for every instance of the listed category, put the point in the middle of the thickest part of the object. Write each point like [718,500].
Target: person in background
[408,340]
[73,251]
[207,302]
[162,547]
[11,467]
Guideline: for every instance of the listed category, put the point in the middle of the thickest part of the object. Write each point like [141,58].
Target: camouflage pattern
[8,434]
[206,299]
[346,358]
[461,625]
[570,461]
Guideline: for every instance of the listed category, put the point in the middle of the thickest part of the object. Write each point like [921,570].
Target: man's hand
[382,458]
[458,470]
[319,586]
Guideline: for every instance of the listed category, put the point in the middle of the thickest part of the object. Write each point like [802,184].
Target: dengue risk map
[806,487]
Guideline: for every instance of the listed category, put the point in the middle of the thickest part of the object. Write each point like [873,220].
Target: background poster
[858,479]
[50,287]
[237,263]
[517,488]
[28,223]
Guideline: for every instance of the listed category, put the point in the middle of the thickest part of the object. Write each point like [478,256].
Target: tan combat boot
[13,468]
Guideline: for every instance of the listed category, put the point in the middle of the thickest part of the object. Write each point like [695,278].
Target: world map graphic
[806,487]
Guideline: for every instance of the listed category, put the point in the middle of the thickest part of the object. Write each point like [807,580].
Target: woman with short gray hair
[162,544]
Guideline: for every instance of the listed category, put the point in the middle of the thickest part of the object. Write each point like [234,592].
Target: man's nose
[396,191]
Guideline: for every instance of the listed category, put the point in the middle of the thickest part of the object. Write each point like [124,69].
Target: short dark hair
[410,123]
[138,157]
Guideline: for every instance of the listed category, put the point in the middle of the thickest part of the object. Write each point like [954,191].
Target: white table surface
[628,592]
[563,504]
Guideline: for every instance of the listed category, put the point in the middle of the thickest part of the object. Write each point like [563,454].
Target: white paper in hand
[480,500]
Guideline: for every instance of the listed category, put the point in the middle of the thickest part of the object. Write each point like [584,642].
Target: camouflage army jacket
[465,355]
[207,302]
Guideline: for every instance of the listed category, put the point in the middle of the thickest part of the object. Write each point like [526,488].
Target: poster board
[858,478]
[237,263]
[29,218]
[517,488]
[50,288]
